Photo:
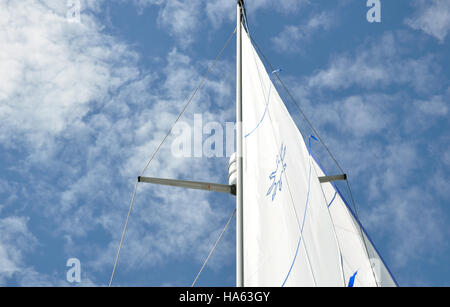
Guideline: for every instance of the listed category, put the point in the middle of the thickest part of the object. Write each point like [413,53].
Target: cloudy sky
[83,105]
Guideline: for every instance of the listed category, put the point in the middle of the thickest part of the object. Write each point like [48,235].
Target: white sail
[292,237]
[368,270]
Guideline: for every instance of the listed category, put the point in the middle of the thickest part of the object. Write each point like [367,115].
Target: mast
[239,157]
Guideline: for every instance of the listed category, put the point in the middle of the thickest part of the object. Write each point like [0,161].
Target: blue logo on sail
[276,176]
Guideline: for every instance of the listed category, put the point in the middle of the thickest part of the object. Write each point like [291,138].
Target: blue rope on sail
[267,106]
[304,215]
[331,202]
[301,230]
[309,141]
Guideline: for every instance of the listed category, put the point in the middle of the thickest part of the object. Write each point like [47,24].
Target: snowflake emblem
[277,175]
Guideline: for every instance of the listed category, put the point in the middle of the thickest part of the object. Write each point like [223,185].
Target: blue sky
[84,105]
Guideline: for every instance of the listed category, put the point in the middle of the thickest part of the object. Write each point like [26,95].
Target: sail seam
[332,222]
[332,200]
[263,116]
[360,225]
[301,230]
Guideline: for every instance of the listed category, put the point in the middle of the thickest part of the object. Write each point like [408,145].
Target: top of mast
[241,4]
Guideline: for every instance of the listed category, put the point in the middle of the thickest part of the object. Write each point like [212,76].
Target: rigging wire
[323,144]
[202,81]
[234,211]
[214,247]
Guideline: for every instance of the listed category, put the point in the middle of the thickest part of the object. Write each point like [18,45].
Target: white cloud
[362,116]
[219,11]
[432,17]
[287,6]
[447,158]
[292,38]
[53,72]
[435,106]
[15,241]
[184,18]
[379,64]
[426,114]
[415,232]
[180,18]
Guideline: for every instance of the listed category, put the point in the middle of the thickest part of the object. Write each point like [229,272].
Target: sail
[359,256]
[292,235]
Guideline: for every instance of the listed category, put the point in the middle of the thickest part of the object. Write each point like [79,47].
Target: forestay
[297,231]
